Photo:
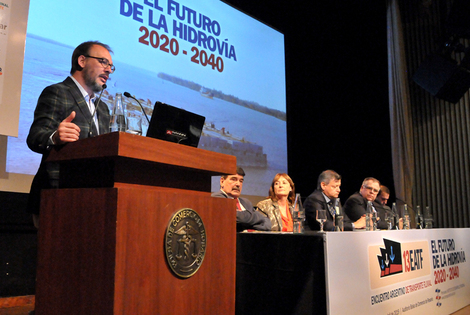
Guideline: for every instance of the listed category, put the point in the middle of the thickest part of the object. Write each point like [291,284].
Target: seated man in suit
[325,197]
[382,199]
[247,218]
[383,196]
[355,206]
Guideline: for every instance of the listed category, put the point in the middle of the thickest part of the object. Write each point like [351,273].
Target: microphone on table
[90,133]
[127,94]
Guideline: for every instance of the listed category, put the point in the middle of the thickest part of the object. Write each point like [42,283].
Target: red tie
[239,207]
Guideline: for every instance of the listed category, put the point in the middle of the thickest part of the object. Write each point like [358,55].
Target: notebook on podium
[174,124]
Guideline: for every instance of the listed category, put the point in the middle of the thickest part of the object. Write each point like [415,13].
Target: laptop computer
[174,124]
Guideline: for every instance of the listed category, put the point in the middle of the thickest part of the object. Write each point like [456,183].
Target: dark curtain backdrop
[440,129]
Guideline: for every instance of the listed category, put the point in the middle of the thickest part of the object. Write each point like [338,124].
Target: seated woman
[278,206]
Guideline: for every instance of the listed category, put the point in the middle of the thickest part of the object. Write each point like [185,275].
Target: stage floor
[22,305]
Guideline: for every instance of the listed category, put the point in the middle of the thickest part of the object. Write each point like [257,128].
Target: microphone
[90,133]
[127,94]
[404,202]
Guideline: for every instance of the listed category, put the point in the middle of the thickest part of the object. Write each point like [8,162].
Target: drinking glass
[321,218]
[134,125]
[428,219]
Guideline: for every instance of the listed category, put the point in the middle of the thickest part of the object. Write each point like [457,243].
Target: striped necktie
[331,208]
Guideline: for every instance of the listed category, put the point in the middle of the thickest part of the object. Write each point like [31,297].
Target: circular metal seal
[185,242]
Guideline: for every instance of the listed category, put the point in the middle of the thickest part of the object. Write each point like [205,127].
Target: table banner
[398,272]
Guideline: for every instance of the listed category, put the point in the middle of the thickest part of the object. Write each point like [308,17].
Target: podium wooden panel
[101,239]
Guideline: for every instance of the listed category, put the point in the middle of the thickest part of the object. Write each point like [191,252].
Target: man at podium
[247,219]
[67,111]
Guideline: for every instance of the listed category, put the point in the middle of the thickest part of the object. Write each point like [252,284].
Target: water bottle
[419,218]
[338,217]
[339,220]
[298,215]
[406,218]
[374,220]
[389,219]
[118,115]
[396,218]
[428,219]
[369,225]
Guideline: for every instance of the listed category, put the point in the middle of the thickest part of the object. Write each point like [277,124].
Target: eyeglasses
[104,62]
[371,189]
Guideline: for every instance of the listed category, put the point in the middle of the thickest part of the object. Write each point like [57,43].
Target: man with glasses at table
[64,113]
[356,205]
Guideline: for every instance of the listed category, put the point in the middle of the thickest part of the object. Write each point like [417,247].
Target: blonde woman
[278,206]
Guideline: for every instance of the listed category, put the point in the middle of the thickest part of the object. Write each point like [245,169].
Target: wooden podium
[102,234]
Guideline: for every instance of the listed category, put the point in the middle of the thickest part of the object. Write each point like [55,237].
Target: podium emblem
[185,242]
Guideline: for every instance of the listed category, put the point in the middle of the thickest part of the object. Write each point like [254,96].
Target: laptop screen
[174,124]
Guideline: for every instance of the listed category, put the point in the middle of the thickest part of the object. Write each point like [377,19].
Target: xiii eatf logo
[390,259]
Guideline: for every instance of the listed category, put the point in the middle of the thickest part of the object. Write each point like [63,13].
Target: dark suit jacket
[316,201]
[356,205]
[56,103]
[249,219]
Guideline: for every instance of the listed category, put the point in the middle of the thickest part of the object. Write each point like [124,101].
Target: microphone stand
[90,132]
[127,94]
